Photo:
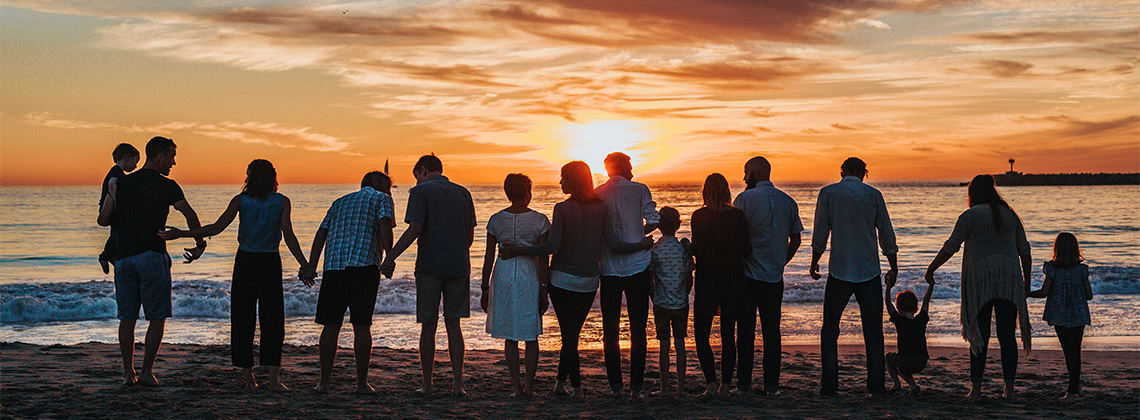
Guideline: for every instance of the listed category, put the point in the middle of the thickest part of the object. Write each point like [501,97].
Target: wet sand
[84,381]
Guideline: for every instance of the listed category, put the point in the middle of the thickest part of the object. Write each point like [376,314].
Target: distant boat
[1013,178]
[386,173]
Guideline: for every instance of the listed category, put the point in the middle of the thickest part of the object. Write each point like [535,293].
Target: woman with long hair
[578,236]
[996,267]
[256,290]
[720,245]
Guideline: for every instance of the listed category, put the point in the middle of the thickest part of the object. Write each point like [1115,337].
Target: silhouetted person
[126,159]
[1068,291]
[632,214]
[672,267]
[256,291]
[774,231]
[441,219]
[354,235]
[910,328]
[854,214]
[720,245]
[514,290]
[994,281]
[136,208]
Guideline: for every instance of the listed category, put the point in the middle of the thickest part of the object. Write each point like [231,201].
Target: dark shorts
[455,292]
[907,363]
[666,320]
[353,288]
[143,280]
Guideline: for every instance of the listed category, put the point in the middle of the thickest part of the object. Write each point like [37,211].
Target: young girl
[516,299]
[1067,310]
[256,285]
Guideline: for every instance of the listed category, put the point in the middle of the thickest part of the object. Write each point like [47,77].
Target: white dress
[513,302]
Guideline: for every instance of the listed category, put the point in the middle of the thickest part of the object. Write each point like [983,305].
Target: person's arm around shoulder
[548,243]
[613,240]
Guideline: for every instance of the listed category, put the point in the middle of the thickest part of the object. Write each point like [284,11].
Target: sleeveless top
[259,229]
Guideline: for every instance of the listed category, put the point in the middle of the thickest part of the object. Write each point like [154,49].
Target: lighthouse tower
[1011,171]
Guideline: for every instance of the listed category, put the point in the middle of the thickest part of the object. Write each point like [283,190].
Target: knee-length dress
[513,303]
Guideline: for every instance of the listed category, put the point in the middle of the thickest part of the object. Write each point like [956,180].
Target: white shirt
[852,212]
[631,207]
[772,217]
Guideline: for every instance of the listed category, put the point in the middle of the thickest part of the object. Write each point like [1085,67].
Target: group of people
[599,238]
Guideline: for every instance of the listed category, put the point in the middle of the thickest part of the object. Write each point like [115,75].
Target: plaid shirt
[352,222]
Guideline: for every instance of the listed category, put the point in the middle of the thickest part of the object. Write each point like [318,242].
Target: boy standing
[126,160]
[672,266]
[910,324]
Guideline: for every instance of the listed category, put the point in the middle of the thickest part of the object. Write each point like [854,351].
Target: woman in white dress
[514,295]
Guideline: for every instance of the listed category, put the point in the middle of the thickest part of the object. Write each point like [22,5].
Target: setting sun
[591,142]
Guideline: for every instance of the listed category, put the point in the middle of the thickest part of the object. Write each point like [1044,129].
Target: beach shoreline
[84,381]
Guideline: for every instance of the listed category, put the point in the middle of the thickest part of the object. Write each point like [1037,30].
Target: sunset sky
[922,89]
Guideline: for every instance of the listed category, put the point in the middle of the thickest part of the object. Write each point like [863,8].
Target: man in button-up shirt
[632,214]
[354,234]
[852,213]
[774,231]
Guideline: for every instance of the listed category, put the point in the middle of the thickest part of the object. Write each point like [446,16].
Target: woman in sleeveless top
[256,285]
[996,266]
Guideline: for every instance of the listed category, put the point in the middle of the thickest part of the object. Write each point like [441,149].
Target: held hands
[929,277]
[307,275]
[388,267]
[543,301]
[484,299]
[647,242]
[814,271]
[509,250]
[892,277]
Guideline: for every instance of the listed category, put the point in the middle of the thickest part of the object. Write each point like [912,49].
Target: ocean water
[52,291]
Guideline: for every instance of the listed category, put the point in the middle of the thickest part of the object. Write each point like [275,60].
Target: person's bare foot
[1007,393]
[1069,396]
[458,391]
[710,390]
[321,388]
[148,380]
[365,389]
[277,387]
[579,393]
[724,388]
[895,389]
[975,392]
[559,389]
[614,393]
[425,391]
[105,265]
[130,379]
[915,391]
[246,379]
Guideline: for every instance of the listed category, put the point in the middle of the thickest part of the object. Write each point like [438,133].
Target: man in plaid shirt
[355,232]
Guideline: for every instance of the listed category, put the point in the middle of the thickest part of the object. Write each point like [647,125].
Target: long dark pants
[703,312]
[256,293]
[570,308]
[636,290]
[1006,316]
[1071,344]
[870,298]
[765,298]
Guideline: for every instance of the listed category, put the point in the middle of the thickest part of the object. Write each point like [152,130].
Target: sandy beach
[83,381]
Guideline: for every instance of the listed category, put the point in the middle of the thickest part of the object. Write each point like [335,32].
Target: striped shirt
[352,222]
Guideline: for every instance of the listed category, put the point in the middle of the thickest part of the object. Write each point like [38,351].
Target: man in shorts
[136,207]
[441,215]
[354,233]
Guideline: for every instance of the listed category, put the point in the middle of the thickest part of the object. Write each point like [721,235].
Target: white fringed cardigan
[991,267]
